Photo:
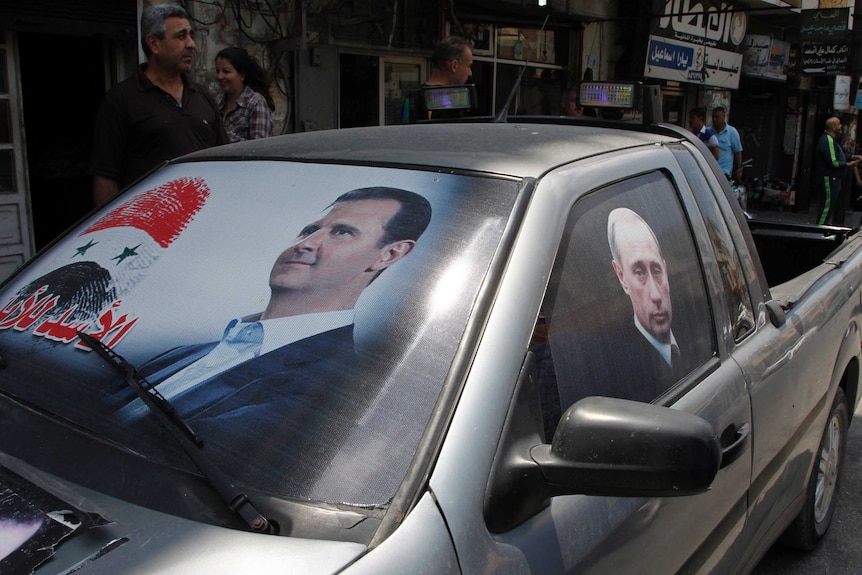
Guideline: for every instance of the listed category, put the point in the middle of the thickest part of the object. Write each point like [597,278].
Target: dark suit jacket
[274,422]
[295,363]
[620,364]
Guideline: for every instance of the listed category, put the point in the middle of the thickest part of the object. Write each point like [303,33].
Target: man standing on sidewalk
[729,145]
[831,165]
[157,114]
[696,117]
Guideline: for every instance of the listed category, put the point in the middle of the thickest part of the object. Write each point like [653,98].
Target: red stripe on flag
[163,212]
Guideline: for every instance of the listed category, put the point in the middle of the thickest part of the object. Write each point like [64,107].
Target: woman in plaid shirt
[245,103]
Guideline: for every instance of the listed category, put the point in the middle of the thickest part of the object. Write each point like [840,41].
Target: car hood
[123,538]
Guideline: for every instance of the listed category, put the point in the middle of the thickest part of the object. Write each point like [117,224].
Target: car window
[626,313]
[302,318]
[739,313]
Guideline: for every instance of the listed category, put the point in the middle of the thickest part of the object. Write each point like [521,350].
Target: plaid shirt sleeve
[259,119]
[250,119]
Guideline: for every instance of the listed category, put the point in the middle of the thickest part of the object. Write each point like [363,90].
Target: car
[534,346]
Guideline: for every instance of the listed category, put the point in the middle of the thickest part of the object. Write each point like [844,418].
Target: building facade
[336,64]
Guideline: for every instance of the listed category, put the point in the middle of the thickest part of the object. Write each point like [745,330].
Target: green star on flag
[83,249]
[127,253]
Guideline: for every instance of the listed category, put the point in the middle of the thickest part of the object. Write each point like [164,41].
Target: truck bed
[788,250]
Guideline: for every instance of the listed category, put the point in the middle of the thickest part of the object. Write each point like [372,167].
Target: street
[839,551]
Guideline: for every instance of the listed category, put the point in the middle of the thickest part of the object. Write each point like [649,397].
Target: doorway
[372,89]
[358,90]
[60,100]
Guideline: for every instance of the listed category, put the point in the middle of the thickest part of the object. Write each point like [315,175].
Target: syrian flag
[87,275]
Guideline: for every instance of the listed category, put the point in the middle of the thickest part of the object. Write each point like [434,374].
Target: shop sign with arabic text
[704,22]
[697,42]
[831,25]
[824,57]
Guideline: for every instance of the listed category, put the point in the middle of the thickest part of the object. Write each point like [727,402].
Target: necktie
[674,354]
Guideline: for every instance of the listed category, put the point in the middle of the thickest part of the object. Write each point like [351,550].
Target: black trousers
[831,191]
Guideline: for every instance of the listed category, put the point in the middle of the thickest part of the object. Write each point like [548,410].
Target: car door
[586,342]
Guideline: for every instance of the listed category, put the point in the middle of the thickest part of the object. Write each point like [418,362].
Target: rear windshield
[300,317]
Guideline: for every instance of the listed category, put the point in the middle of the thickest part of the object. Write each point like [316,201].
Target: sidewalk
[783,214]
[788,214]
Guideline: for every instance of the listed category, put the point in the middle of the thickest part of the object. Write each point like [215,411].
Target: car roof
[525,148]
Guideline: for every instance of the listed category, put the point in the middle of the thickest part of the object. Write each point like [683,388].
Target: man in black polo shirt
[159,113]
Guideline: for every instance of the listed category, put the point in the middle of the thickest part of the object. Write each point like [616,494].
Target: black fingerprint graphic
[86,286]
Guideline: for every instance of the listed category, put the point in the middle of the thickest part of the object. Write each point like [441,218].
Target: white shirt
[711,142]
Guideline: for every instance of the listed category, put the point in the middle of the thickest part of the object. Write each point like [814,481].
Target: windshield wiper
[191,443]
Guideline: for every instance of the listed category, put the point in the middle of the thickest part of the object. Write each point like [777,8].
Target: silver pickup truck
[477,347]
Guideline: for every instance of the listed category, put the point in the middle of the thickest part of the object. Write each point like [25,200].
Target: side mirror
[602,446]
[616,447]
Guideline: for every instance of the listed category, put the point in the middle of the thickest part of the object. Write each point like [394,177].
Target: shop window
[526,44]
[399,78]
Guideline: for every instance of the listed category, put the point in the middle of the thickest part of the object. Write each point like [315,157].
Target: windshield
[301,318]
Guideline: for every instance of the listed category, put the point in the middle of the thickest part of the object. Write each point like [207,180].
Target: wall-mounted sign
[841,96]
[684,62]
[831,24]
[824,57]
[712,24]
[765,57]
[696,42]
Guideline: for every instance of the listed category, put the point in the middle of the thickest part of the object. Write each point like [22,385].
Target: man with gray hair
[156,115]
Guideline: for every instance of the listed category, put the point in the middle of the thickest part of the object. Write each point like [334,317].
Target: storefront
[48,99]
[743,56]
[373,86]
[695,50]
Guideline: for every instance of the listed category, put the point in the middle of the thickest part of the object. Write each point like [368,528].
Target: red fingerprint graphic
[162,212]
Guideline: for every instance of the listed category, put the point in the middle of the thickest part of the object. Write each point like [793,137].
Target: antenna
[503,115]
